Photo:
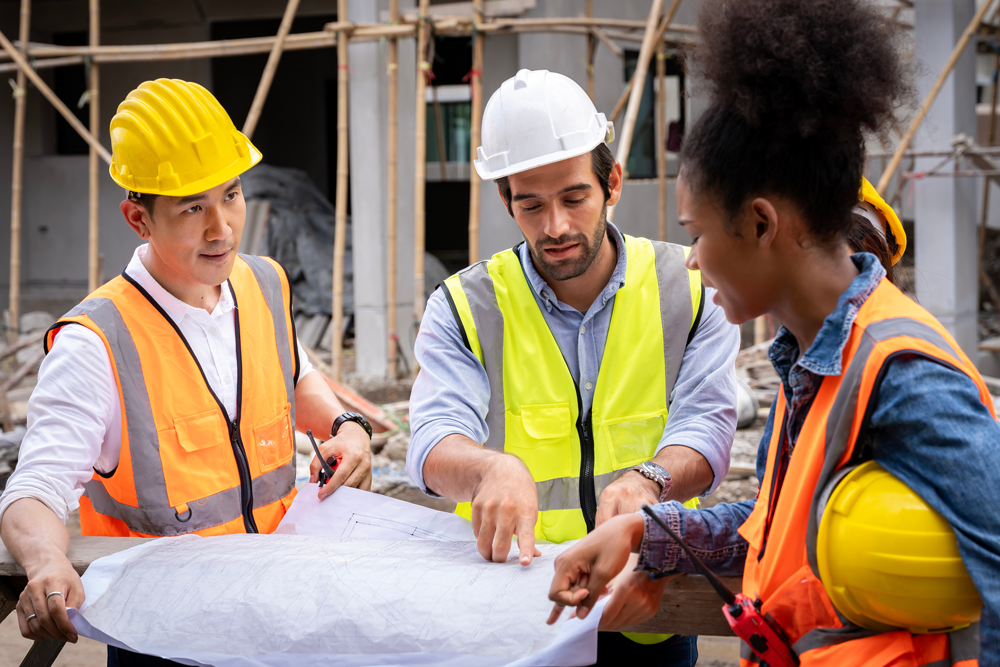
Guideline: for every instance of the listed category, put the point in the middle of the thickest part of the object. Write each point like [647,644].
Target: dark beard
[568,270]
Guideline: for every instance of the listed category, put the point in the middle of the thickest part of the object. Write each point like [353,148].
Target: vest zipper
[232,425]
[584,428]
[246,483]
[588,493]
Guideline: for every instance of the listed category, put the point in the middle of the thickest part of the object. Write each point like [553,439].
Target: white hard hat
[537,118]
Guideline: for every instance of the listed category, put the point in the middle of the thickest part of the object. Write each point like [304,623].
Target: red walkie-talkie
[765,638]
[327,467]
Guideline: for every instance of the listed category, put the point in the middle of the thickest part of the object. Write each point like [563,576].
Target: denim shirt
[930,430]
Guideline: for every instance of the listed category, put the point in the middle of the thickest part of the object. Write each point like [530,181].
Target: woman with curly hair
[872,385]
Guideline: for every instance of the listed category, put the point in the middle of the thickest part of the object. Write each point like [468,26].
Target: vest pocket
[540,436]
[273,441]
[632,440]
[197,461]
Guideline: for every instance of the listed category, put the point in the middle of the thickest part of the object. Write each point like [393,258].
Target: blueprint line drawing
[368,527]
[351,513]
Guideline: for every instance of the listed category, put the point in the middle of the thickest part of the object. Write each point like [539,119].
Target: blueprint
[351,513]
[278,593]
[413,591]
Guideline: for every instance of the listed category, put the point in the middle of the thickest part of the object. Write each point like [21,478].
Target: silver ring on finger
[55,593]
[29,619]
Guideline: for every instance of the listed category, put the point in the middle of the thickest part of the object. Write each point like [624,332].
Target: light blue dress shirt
[451,394]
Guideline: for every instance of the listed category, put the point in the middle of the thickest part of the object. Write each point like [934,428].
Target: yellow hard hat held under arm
[173,138]
[888,560]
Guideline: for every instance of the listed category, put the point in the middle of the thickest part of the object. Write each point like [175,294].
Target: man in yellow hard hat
[168,397]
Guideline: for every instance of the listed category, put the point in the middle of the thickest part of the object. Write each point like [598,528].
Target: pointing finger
[526,539]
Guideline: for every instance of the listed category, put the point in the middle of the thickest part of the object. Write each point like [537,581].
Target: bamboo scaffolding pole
[475,132]
[192,50]
[984,278]
[439,130]
[94,99]
[58,56]
[503,24]
[605,39]
[48,63]
[340,227]
[53,98]
[327,38]
[393,142]
[423,68]
[591,52]
[759,330]
[270,68]
[956,53]
[661,139]
[627,93]
[16,181]
[632,112]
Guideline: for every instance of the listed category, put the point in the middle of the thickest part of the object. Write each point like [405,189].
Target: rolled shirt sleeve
[70,411]
[451,393]
[703,403]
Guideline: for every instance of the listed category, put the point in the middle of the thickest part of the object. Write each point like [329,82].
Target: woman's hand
[584,570]
[635,597]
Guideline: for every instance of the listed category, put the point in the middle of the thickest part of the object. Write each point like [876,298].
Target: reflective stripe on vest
[532,391]
[153,513]
[782,565]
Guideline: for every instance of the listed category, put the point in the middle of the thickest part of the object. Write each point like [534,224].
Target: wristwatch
[352,417]
[658,474]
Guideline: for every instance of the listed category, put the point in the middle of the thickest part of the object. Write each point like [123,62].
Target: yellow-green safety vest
[534,406]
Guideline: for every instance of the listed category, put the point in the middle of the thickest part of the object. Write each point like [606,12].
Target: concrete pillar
[369,195]
[945,208]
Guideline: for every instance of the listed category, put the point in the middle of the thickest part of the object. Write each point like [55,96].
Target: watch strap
[355,417]
[658,474]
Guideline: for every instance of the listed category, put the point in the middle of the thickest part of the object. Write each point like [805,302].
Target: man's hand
[505,503]
[41,614]
[584,570]
[627,495]
[352,447]
[635,597]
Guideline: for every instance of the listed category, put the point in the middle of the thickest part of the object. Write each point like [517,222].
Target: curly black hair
[794,85]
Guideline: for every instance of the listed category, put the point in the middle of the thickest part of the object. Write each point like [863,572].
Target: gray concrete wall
[369,115]
[945,208]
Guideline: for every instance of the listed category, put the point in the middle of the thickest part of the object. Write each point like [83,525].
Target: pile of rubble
[18,368]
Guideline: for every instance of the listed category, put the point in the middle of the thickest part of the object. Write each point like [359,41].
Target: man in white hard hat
[579,375]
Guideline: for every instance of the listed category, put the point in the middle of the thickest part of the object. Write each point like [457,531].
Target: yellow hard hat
[888,560]
[172,137]
[890,219]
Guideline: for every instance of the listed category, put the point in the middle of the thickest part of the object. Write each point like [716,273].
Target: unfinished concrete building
[297,129]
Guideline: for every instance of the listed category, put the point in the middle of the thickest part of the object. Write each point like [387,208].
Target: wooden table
[689,607]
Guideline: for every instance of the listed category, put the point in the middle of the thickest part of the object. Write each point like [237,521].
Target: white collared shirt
[74,413]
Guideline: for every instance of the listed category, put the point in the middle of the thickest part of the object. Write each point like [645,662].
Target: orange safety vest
[781,566]
[185,467]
